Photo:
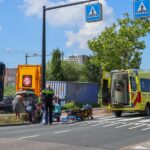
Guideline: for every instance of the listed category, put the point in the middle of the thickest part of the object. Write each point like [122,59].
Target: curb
[19,124]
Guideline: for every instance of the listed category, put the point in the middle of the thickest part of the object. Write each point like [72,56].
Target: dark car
[6,104]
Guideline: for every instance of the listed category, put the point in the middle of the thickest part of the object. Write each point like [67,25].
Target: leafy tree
[49,71]
[120,46]
[91,71]
[71,71]
[56,71]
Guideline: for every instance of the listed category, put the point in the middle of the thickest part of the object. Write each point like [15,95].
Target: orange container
[28,77]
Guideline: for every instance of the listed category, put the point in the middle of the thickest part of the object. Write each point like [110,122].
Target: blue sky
[21,29]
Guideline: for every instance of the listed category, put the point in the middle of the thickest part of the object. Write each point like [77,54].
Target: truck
[2,74]
[28,78]
[126,91]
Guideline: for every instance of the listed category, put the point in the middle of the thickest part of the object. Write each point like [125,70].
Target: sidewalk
[99,111]
[9,119]
[96,111]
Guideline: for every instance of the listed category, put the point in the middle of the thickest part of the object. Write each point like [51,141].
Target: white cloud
[72,18]
[58,17]
[90,30]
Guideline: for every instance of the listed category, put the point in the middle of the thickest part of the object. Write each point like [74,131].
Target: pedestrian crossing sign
[141,8]
[93,12]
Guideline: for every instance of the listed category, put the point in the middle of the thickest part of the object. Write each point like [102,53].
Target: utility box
[28,77]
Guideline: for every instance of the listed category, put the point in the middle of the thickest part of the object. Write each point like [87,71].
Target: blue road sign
[141,8]
[93,12]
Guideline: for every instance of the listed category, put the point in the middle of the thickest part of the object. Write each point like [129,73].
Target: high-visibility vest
[47,91]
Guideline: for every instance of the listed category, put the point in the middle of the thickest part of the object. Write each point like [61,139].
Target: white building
[78,58]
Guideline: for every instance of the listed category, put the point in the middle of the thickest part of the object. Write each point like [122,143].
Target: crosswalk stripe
[124,125]
[99,123]
[131,119]
[146,129]
[117,122]
[111,124]
[144,121]
[136,126]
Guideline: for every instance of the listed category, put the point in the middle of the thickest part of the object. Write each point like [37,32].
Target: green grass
[9,90]
[11,119]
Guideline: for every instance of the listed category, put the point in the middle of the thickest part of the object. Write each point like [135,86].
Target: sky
[66,29]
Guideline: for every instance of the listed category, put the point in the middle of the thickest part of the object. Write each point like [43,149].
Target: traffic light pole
[44,34]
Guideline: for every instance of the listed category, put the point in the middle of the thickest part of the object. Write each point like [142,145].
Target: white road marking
[143,121]
[111,124]
[131,119]
[64,131]
[140,147]
[85,122]
[137,126]
[146,129]
[124,125]
[106,117]
[97,124]
[26,137]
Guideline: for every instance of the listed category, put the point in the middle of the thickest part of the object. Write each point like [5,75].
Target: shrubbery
[71,105]
[76,105]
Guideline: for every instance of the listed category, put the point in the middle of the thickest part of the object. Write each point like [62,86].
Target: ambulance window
[145,85]
[133,83]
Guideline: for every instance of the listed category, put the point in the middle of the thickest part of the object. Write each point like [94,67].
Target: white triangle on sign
[142,9]
[92,13]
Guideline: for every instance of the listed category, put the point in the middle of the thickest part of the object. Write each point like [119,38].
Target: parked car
[6,104]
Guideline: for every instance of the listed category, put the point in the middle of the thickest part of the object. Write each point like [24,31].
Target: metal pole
[44,34]
[26,59]
[70,4]
[43,48]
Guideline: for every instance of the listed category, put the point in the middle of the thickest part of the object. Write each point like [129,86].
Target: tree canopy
[120,46]
[56,70]
[90,71]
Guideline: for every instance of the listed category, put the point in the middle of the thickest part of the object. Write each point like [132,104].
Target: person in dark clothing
[48,94]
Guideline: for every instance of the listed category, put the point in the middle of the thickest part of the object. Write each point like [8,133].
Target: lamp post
[44,34]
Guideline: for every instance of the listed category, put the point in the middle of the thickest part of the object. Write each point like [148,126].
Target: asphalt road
[103,133]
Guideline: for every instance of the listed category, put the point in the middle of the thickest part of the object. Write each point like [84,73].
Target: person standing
[18,106]
[48,94]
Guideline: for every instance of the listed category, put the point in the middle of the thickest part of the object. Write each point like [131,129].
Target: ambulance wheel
[118,113]
[147,110]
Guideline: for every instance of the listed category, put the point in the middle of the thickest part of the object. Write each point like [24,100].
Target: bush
[70,105]
[9,90]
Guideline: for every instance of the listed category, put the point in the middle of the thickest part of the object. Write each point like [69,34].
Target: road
[106,132]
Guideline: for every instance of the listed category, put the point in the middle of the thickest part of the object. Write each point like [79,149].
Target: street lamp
[44,34]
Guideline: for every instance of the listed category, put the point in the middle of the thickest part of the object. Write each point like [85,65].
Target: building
[10,76]
[78,58]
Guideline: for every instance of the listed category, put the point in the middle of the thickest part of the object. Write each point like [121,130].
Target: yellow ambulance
[126,91]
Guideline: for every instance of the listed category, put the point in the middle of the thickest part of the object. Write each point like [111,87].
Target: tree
[120,46]
[56,71]
[91,71]
[71,71]
[49,71]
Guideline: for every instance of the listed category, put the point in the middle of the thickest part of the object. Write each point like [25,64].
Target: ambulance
[126,91]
